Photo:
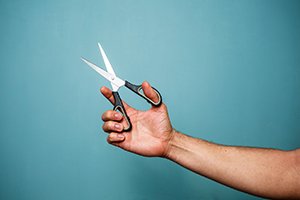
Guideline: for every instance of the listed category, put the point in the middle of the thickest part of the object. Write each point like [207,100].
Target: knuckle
[110,114]
[107,115]
[107,126]
[111,139]
[103,117]
[111,125]
[108,139]
[104,127]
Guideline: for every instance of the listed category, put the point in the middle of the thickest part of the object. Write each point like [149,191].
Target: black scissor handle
[118,105]
[138,90]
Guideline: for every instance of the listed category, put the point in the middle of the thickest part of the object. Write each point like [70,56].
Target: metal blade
[106,61]
[98,69]
[115,81]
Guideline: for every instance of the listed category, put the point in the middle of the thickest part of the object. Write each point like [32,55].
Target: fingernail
[120,136]
[118,126]
[118,115]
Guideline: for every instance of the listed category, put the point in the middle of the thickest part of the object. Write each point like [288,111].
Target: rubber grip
[138,88]
[118,105]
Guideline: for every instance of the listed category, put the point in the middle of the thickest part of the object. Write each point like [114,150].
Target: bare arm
[263,172]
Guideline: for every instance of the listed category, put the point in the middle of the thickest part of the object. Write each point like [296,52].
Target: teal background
[228,72]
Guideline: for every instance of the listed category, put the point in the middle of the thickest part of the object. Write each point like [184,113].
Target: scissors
[116,83]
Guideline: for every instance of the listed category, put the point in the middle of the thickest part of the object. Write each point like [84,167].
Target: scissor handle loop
[118,105]
[138,90]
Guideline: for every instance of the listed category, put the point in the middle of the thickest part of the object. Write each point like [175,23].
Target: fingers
[115,138]
[112,115]
[113,121]
[111,126]
[107,93]
[149,92]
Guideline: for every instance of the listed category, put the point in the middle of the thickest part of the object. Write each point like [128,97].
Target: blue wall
[229,72]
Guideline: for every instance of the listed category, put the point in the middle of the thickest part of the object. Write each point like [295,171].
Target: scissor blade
[115,81]
[106,61]
[98,69]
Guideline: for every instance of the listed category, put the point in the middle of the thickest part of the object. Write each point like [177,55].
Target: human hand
[151,130]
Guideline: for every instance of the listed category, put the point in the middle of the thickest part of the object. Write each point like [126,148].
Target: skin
[268,173]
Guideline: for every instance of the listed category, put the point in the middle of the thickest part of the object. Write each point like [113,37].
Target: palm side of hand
[150,133]
[151,129]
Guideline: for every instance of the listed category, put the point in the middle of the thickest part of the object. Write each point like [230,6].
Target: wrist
[171,143]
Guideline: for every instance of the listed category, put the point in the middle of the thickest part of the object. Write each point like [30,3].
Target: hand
[151,130]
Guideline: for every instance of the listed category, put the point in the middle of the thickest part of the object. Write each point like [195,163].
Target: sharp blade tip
[99,45]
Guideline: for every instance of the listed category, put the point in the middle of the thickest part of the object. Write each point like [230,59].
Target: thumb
[107,93]
[149,92]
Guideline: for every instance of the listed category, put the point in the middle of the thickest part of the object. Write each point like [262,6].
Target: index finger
[107,93]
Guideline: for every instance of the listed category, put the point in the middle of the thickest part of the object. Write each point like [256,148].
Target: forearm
[264,172]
